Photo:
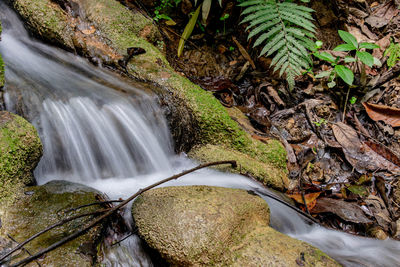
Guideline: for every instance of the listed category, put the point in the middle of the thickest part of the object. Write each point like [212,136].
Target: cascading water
[118,143]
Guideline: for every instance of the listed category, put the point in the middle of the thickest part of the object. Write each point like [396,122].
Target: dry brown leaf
[347,137]
[348,211]
[359,154]
[244,53]
[89,31]
[384,152]
[383,113]
[310,199]
[377,207]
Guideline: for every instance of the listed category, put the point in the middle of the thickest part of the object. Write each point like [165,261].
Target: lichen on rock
[213,226]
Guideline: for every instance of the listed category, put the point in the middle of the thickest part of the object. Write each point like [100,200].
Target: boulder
[212,226]
[111,30]
[20,152]
[42,206]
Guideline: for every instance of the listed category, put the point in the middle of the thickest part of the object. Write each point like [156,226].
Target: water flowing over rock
[105,31]
[42,206]
[20,151]
[212,226]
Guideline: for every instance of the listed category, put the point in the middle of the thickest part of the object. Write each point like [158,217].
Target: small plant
[162,7]
[286,31]
[223,18]
[359,54]
[353,100]
[320,122]
[393,54]
[205,7]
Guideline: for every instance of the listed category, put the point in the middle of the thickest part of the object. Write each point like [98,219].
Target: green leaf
[349,59]
[325,56]
[331,84]
[345,74]
[359,190]
[188,31]
[365,58]
[345,47]
[348,38]
[205,10]
[369,46]
[318,44]
[377,62]
[323,74]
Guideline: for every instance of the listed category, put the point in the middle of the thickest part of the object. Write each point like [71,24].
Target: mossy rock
[213,226]
[20,152]
[47,20]
[208,122]
[42,206]
[265,172]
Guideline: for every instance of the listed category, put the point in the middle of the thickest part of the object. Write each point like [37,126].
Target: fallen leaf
[358,190]
[311,199]
[384,152]
[244,53]
[378,209]
[347,137]
[383,113]
[89,31]
[361,156]
[348,211]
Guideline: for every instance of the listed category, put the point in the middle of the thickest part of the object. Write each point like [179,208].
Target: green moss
[48,20]
[122,29]
[21,150]
[42,206]
[212,226]
[269,175]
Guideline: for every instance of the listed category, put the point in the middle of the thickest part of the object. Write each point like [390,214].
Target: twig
[387,76]
[48,229]
[186,40]
[345,104]
[114,209]
[125,237]
[92,204]
[24,249]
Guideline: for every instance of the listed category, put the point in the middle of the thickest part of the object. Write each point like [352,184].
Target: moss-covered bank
[120,29]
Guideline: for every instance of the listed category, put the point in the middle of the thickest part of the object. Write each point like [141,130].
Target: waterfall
[101,130]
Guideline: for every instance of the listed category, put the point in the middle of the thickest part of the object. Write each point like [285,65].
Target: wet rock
[204,226]
[1,71]
[43,206]
[47,20]
[263,172]
[20,151]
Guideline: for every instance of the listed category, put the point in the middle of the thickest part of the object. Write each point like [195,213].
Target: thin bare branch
[114,209]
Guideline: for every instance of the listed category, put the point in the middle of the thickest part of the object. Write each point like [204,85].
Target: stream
[108,133]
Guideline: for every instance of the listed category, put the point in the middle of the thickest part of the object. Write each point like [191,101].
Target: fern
[393,54]
[286,31]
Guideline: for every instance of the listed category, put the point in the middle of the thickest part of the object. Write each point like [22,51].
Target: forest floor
[342,142]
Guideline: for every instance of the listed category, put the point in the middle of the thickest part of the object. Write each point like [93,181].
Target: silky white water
[119,142]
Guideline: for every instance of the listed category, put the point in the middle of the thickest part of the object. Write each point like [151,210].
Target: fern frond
[286,30]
